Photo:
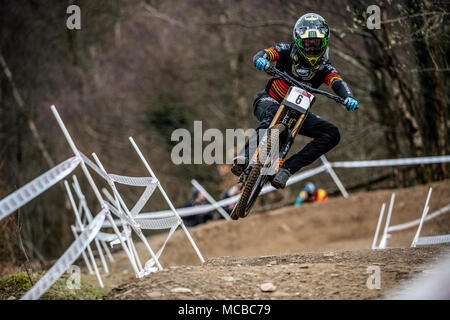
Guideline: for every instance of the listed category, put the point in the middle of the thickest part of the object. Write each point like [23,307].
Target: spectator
[198,199]
[228,193]
[311,194]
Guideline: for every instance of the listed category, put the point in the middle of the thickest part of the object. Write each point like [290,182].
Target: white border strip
[414,223]
[184,212]
[390,162]
[433,240]
[67,259]
[37,186]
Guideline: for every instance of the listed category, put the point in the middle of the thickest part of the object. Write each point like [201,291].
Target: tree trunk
[433,126]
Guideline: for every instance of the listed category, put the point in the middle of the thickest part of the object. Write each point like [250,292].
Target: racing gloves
[262,64]
[351,104]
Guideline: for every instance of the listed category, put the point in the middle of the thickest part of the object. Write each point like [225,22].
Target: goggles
[312,46]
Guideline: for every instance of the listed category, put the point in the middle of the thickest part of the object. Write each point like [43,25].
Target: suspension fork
[277,115]
[290,140]
[275,120]
[298,125]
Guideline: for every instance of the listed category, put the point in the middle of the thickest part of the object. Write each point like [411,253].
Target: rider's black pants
[325,135]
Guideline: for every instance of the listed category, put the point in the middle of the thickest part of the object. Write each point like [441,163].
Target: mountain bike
[277,140]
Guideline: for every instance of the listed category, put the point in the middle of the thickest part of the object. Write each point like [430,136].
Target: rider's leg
[264,109]
[325,137]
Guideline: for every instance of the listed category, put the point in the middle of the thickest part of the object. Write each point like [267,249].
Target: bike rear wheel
[251,188]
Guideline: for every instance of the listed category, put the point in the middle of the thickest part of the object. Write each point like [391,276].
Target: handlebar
[282,74]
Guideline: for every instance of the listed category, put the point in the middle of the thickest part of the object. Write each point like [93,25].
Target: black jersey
[288,60]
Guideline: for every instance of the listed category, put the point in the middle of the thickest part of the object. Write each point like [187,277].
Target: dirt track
[315,251]
[341,275]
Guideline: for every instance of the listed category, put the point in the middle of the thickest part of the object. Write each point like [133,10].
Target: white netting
[416,222]
[433,240]
[158,224]
[107,237]
[119,214]
[142,200]
[390,162]
[94,167]
[148,268]
[134,181]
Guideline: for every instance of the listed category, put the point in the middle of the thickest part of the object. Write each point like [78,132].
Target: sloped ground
[318,251]
[342,275]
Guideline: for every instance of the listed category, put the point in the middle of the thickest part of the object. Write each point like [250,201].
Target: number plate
[300,98]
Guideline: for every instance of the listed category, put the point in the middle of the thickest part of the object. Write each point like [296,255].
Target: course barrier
[417,239]
[36,187]
[88,229]
[301,176]
[67,259]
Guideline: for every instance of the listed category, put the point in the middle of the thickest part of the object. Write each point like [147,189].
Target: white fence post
[83,205]
[386,235]
[375,238]
[138,231]
[211,200]
[89,219]
[86,261]
[149,169]
[424,214]
[91,183]
[80,225]
[334,176]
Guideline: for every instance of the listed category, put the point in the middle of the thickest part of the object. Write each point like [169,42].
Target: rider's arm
[335,82]
[274,53]
[298,201]
[302,196]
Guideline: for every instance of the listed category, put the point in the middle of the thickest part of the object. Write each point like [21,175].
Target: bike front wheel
[251,188]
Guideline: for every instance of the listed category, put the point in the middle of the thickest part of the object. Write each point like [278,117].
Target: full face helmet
[311,34]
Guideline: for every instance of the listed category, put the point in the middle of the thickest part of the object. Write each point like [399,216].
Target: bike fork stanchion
[210,199]
[334,176]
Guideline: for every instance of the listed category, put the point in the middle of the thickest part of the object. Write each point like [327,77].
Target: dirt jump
[314,251]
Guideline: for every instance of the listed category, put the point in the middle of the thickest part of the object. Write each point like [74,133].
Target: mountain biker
[305,59]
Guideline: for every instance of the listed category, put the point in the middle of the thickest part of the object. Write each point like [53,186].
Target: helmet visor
[312,47]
